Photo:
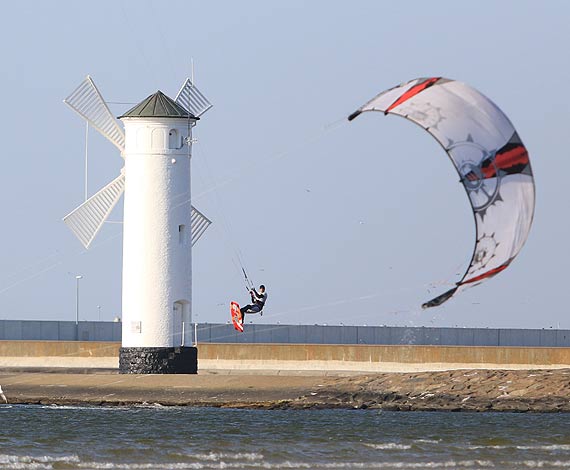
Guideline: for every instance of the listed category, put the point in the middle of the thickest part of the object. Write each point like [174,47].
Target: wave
[256,461]
[518,447]
[294,465]
[36,462]
[389,446]
[544,464]
[428,441]
[535,447]
[400,446]
[215,457]
[82,407]
[221,461]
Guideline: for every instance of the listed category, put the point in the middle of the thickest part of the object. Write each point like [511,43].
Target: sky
[345,223]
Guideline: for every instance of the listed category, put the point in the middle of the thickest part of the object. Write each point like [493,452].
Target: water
[202,438]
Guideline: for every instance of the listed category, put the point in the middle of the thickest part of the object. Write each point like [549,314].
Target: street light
[77,307]
[99,310]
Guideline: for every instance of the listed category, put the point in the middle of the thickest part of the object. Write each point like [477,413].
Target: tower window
[181,234]
[173,139]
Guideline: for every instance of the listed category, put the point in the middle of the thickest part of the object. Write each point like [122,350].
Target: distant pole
[86,155]
[77,278]
[99,311]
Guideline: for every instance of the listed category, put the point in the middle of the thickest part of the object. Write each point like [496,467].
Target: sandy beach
[457,390]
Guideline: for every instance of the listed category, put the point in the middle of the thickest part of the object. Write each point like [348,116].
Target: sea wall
[66,354]
[376,358]
[298,357]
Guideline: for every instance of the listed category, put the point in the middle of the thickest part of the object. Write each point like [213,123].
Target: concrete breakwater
[296,357]
[456,390]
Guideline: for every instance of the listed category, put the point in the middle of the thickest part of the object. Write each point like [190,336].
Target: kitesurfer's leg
[252,308]
[243,310]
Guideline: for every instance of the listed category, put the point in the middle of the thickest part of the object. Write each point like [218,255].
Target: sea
[156,437]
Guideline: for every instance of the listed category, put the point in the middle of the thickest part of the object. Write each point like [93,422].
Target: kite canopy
[491,160]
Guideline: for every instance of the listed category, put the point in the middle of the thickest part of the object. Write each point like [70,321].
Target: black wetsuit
[257,302]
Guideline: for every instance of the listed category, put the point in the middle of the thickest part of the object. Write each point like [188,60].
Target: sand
[457,390]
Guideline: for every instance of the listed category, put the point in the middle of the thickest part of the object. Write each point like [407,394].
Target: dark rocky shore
[459,390]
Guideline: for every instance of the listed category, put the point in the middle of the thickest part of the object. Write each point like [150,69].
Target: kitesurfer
[258,300]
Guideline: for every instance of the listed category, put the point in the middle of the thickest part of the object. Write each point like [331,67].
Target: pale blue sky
[343,224]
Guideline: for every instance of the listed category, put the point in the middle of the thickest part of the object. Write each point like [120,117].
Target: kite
[492,162]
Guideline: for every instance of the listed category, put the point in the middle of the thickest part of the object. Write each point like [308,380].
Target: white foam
[215,457]
[385,465]
[545,447]
[256,461]
[29,462]
[152,465]
[35,462]
[389,446]
[296,465]
[541,464]
[78,407]
[549,447]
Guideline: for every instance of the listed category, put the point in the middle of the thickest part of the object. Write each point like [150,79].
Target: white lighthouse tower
[160,225]
[157,259]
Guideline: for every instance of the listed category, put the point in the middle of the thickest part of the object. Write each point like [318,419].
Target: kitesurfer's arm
[258,298]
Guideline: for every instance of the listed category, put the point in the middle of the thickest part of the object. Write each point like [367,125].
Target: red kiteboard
[236,316]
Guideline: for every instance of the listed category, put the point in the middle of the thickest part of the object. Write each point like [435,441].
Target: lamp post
[77,278]
[99,311]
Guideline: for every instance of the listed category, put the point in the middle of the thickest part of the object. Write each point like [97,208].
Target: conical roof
[158,105]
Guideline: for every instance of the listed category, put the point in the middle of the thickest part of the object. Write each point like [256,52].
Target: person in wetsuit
[258,300]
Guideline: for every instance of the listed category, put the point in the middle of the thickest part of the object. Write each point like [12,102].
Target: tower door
[177,323]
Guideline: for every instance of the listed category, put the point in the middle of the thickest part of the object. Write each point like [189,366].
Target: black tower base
[181,360]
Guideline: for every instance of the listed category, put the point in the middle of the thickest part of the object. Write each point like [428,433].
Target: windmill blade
[192,100]
[90,105]
[86,221]
[198,224]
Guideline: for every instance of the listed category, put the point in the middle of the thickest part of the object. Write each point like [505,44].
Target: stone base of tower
[181,360]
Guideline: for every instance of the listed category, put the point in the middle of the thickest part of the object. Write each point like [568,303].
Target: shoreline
[472,390]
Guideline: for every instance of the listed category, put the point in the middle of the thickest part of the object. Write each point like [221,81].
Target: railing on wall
[299,334]
[42,330]
[387,335]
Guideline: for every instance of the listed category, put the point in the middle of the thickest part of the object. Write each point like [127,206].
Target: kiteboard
[236,316]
